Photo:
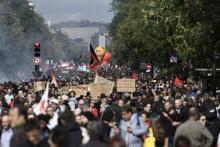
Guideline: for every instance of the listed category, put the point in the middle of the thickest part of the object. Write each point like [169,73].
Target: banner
[39,86]
[109,83]
[96,89]
[126,85]
[82,68]
[80,89]
[63,90]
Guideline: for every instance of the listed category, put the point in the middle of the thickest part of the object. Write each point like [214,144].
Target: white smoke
[3,78]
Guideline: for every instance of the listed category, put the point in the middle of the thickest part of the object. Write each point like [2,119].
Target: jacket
[133,139]
[198,134]
[75,135]
[209,108]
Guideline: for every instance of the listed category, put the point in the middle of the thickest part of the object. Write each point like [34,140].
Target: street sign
[37,61]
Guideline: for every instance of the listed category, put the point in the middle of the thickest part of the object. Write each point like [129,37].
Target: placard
[96,89]
[80,89]
[39,86]
[63,90]
[126,85]
[109,83]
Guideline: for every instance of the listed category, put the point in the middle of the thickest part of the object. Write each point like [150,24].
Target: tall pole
[37,60]
[214,75]
[37,69]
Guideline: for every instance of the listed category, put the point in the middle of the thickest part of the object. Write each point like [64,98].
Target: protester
[34,135]
[209,108]
[53,117]
[132,127]
[170,121]
[202,119]
[148,110]
[214,129]
[107,124]
[67,119]
[182,111]
[59,137]
[194,131]
[151,116]
[6,132]
[72,101]
[18,118]
[148,137]
[9,97]
[43,122]
[95,132]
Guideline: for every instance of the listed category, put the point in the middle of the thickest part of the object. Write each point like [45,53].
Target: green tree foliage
[20,27]
[147,30]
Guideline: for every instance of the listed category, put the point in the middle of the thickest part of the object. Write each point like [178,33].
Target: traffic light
[37,49]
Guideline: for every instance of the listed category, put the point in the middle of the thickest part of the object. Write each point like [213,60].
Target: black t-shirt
[169,129]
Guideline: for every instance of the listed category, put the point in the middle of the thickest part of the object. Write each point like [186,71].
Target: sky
[74,10]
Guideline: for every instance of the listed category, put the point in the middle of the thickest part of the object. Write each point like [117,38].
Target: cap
[55,101]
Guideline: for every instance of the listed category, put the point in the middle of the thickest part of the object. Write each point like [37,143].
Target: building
[100,39]
[85,32]
[80,35]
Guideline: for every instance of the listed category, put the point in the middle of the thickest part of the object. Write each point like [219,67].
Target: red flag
[178,82]
[134,76]
[94,62]
[11,104]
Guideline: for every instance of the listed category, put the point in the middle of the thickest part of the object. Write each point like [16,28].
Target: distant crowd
[157,114]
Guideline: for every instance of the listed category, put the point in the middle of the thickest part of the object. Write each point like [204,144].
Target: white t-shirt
[72,103]
[6,138]
[53,121]
[8,98]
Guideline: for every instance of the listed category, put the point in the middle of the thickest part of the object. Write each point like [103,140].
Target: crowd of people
[157,114]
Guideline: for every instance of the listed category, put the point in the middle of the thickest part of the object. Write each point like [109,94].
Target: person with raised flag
[53,80]
[42,105]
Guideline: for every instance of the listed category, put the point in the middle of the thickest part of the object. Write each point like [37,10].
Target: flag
[178,82]
[134,76]
[42,105]
[94,62]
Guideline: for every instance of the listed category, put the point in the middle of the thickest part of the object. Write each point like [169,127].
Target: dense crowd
[158,114]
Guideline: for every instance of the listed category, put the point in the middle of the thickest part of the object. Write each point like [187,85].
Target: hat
[55,101]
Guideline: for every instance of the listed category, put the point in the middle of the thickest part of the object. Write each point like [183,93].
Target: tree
[20,27]
[149,29]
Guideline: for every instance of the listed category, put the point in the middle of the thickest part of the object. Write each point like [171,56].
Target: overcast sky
[76,10]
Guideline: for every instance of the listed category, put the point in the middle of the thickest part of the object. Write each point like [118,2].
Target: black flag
[94,61]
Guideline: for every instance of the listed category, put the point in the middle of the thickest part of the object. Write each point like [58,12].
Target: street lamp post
[214,74]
